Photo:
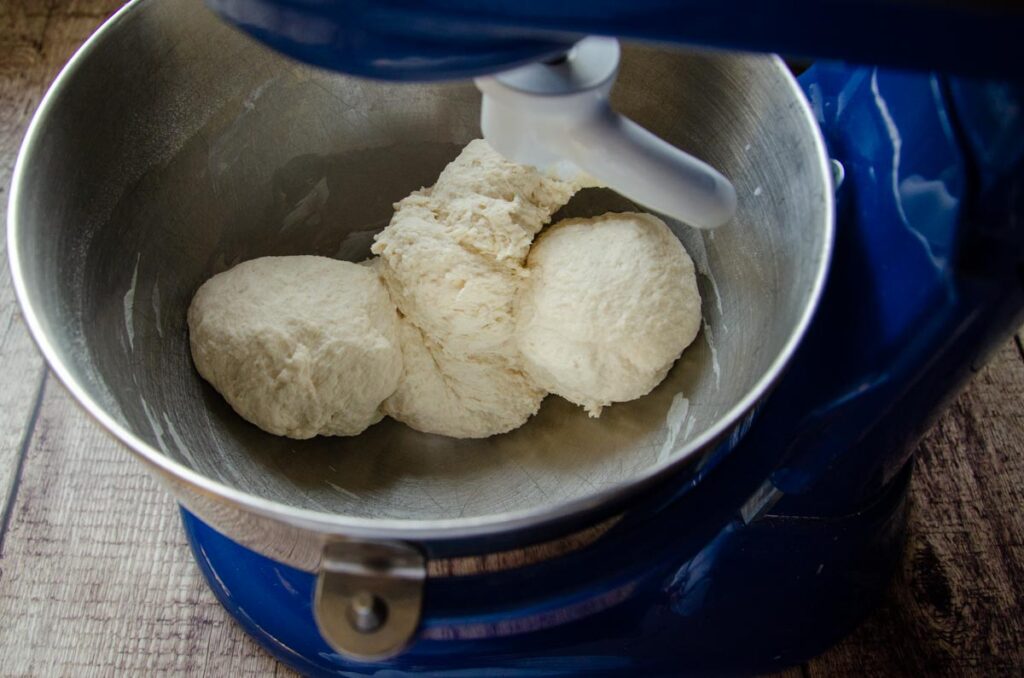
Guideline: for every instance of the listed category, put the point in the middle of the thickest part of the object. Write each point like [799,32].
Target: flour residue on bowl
[716,369]
[167,429]
[678,415]
[178,441]
[154,424]
[129,305]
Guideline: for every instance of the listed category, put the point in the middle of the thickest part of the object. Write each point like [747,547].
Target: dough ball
[299,346]
[610,304]
[471,396]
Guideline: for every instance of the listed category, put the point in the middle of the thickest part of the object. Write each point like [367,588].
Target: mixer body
[676,595]
[442,39]
[788,541]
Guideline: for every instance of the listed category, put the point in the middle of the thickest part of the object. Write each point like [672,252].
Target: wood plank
[36,39]
[957,606]
[95,575]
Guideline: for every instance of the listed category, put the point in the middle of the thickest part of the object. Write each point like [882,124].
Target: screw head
[367,612]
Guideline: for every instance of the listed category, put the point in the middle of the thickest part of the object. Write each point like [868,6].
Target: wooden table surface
[96,577]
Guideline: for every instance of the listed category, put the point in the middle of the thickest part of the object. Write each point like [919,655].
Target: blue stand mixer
[785,534]
[810,509]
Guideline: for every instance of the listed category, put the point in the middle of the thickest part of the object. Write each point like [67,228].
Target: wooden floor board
[955,607]
[24,74]
[96,577]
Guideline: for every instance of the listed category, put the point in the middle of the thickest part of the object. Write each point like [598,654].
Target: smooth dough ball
[299,346]
[462,396]
[610,304]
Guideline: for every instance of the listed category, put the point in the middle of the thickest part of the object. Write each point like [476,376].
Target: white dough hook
[557,116]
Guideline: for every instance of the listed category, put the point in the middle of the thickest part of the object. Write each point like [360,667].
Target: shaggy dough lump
[610,304]
[299,346]
[452,258]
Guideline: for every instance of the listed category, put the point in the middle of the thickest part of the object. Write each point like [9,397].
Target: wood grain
[96,577]
[957,606]
[36,40]
[21,370]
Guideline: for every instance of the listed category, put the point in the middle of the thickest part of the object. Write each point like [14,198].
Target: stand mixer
[782,534]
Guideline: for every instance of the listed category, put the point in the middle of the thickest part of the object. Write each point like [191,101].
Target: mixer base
[758,597]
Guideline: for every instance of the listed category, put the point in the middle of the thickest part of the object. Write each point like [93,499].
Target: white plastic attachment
[557,116]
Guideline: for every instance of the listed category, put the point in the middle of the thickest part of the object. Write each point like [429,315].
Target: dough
[472,396]
[299,346]
[610,304]
[304,346]
[452,255]
[457,297]
[452,258]
[493,206]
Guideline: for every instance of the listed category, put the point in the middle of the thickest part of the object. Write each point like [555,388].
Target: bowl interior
[176,148]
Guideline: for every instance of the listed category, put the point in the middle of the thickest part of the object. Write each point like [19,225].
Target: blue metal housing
[440,39]
[789,540]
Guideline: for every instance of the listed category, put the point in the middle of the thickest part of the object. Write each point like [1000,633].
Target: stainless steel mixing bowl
[172,147]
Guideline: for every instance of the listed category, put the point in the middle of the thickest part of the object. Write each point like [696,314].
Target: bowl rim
[389,528]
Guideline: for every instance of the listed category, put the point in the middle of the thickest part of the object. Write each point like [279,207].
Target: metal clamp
[368,598]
